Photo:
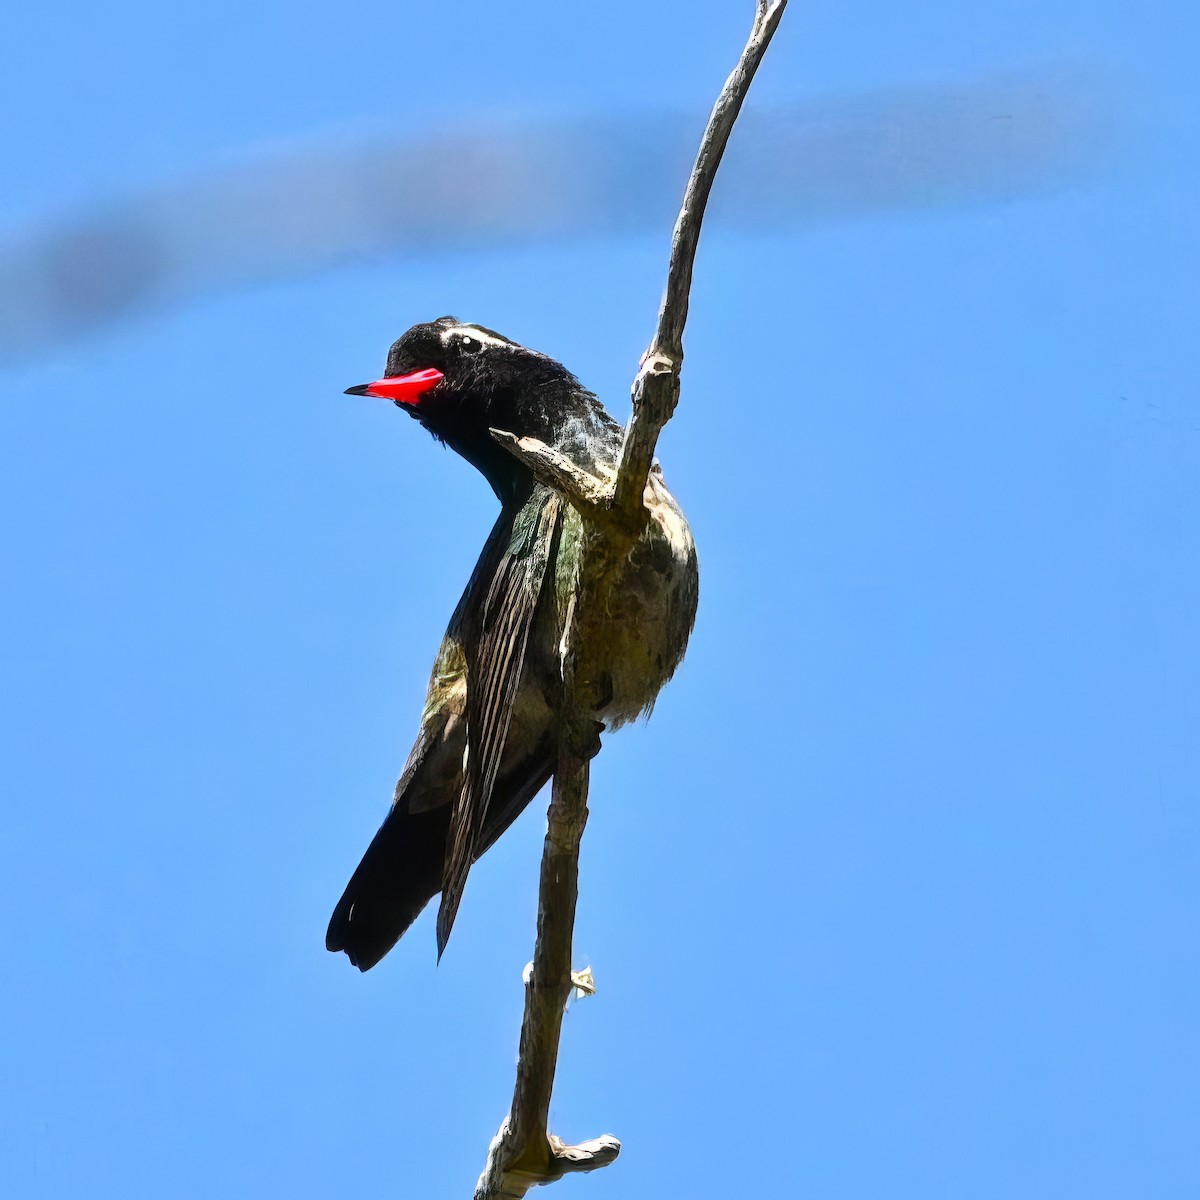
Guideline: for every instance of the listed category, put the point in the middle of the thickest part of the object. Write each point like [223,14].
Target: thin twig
[553,468]
[523,1154]
[656,388]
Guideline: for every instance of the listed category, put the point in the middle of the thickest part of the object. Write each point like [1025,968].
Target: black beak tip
[358,390]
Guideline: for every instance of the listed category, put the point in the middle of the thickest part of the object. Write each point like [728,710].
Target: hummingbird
[488,735]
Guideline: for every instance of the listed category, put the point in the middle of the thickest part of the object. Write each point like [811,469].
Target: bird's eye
[469,344]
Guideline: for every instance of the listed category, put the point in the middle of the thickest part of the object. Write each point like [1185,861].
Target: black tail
[402,868]
[399,874]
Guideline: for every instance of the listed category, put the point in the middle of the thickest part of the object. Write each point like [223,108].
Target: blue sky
[896,893]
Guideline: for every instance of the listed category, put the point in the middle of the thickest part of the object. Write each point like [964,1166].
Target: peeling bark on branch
[523,1154]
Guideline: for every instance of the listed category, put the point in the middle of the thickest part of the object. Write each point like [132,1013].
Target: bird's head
[460,381]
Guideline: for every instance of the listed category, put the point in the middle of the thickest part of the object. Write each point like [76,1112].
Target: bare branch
[523,1154]
[656,389]
[553,468]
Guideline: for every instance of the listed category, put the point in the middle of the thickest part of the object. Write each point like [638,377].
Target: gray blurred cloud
[486,183]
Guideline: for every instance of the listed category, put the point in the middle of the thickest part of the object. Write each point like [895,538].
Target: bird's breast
[646,610]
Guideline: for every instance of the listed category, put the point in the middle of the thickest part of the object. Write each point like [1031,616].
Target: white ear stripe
[473,331]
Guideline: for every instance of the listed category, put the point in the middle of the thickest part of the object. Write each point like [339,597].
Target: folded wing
[495,639]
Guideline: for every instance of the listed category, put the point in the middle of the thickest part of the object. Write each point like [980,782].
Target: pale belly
[648,611]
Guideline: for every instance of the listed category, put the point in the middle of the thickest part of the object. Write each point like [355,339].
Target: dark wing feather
[495,651]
